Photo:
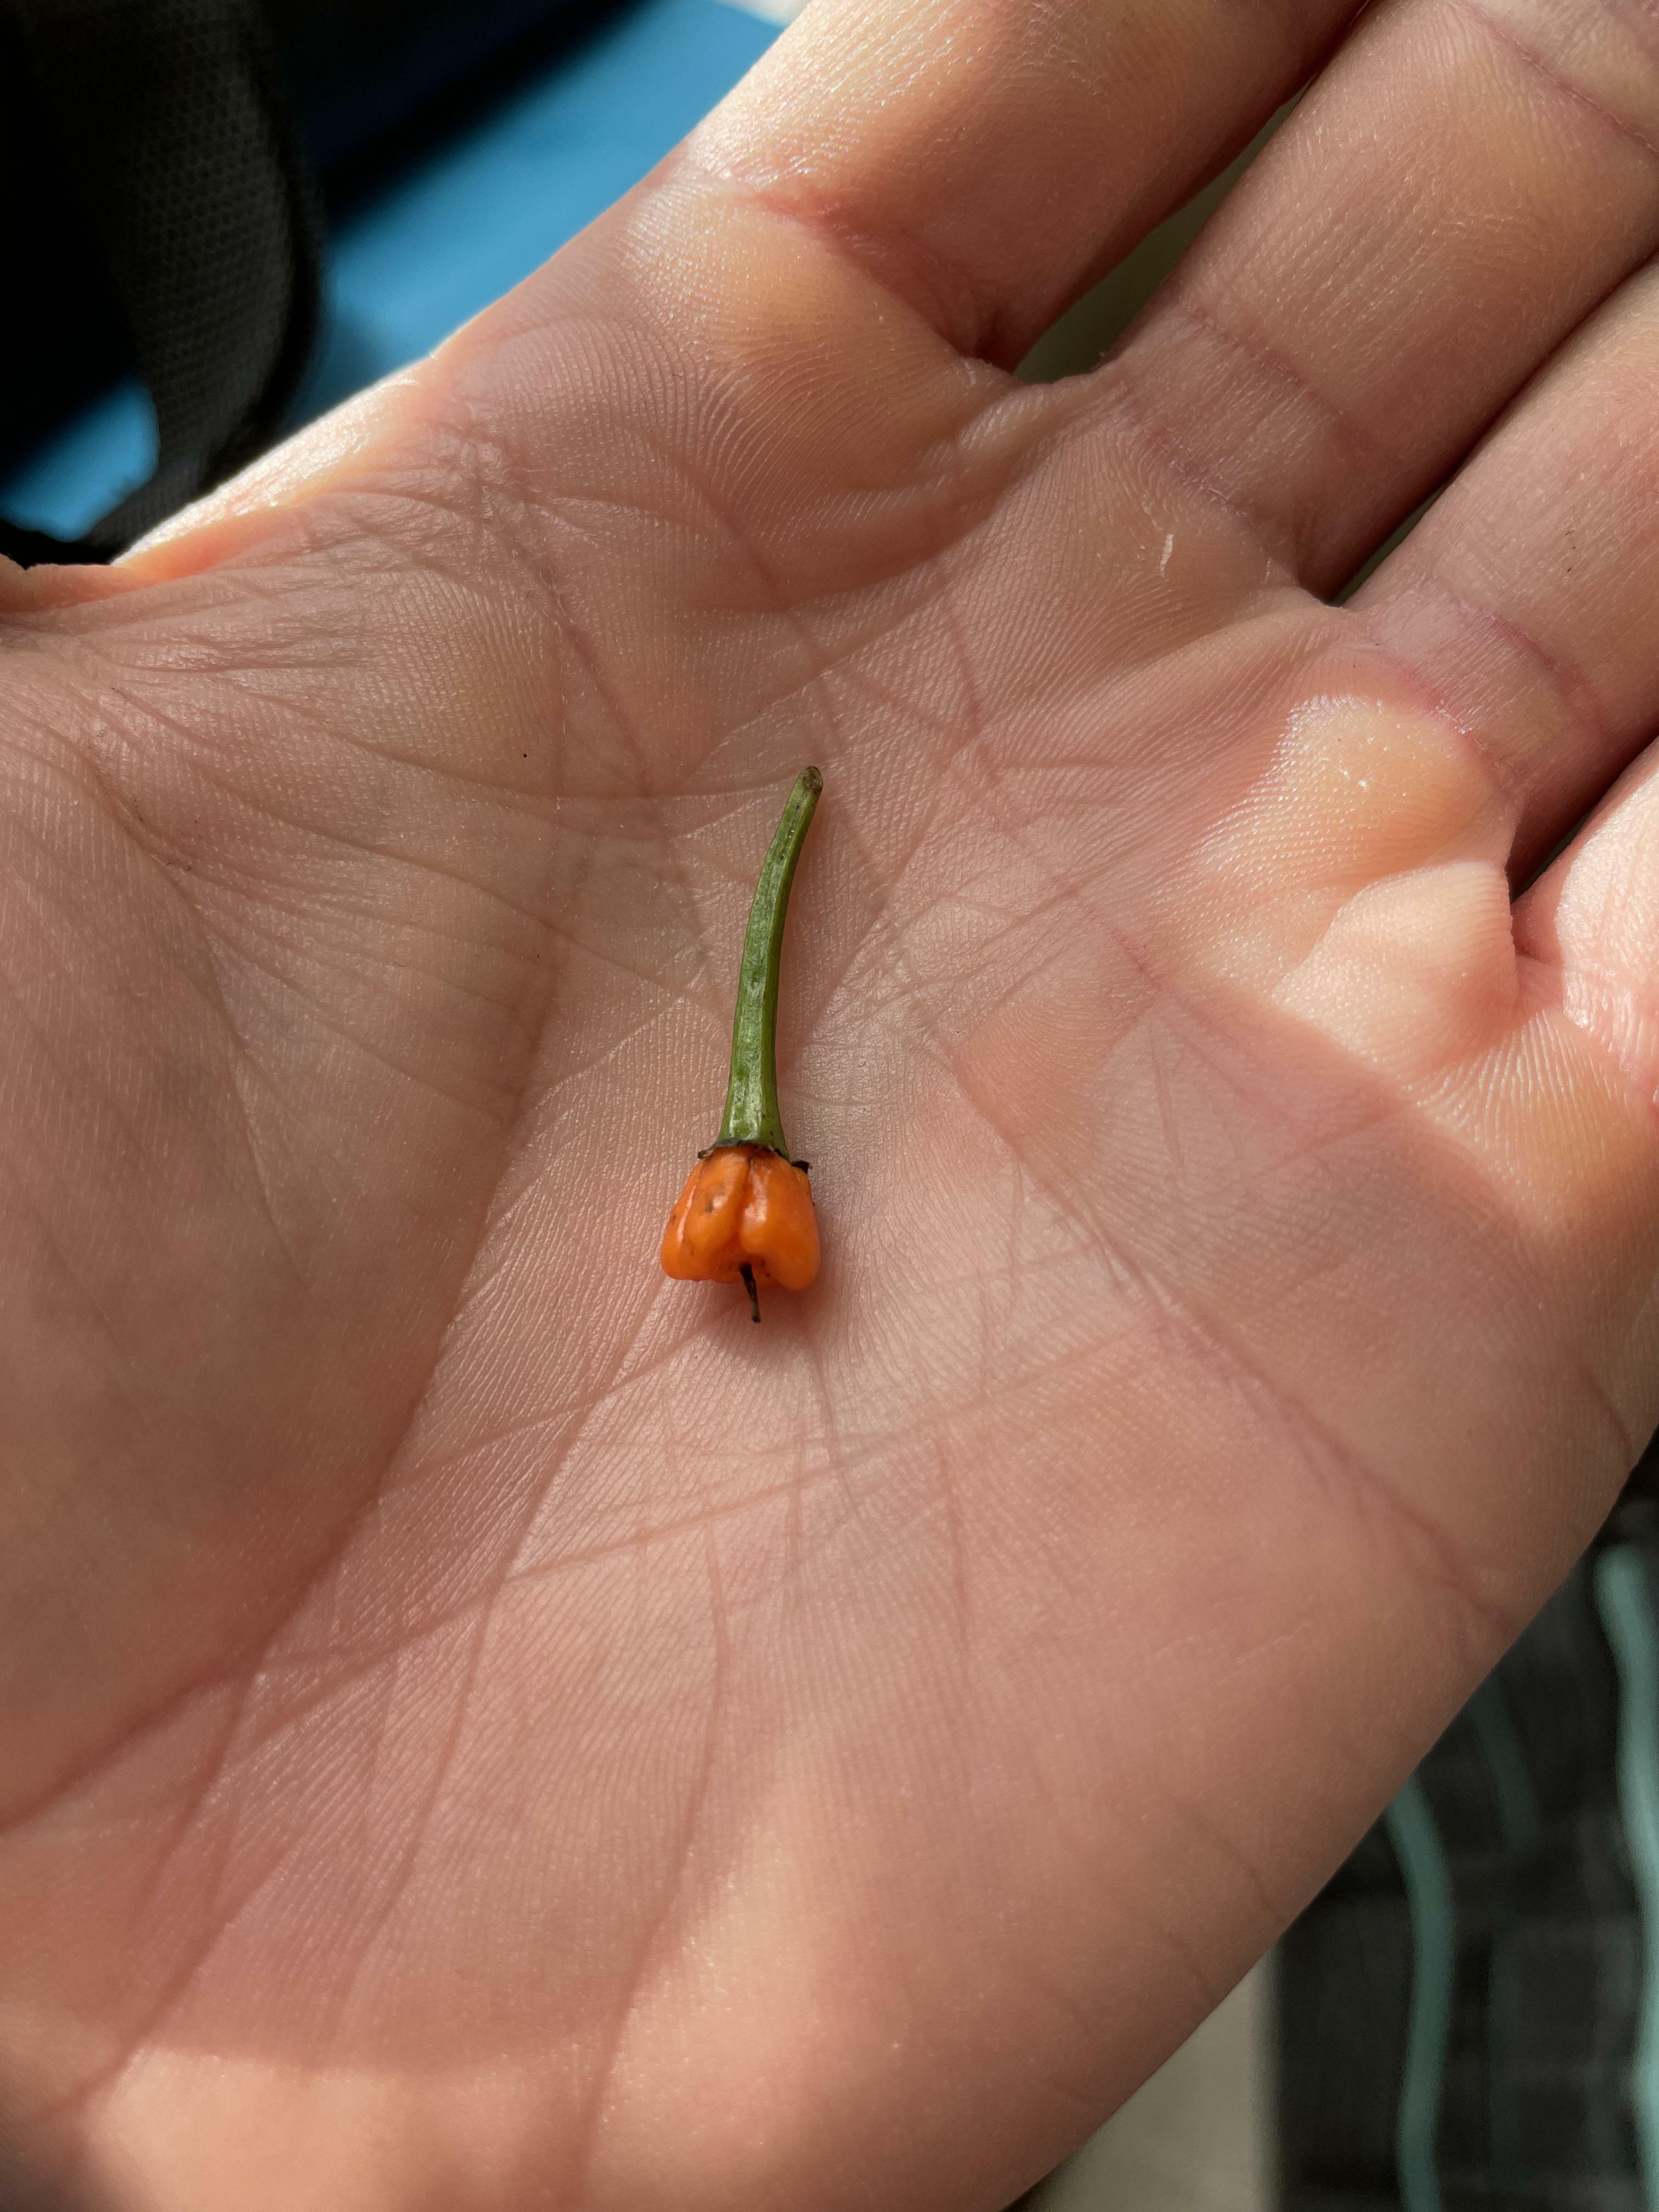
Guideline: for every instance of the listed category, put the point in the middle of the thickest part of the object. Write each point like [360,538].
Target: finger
[1524,599]
[987,161]
[1591,923]
[1464,183]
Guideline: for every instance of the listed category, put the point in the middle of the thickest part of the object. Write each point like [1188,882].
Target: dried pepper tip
[745,1214]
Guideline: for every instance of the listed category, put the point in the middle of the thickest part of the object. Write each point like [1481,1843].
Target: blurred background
[239,214]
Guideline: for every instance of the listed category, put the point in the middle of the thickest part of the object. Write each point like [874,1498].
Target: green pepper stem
[751,1097]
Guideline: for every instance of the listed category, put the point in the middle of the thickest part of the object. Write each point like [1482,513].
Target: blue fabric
[489,209]
[448,240]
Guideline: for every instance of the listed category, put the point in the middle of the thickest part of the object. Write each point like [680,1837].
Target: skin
[482,1726]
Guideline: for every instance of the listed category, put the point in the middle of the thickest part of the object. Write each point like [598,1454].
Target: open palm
[483,1725]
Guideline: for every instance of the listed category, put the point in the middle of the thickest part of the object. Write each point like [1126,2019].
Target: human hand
[485,1726]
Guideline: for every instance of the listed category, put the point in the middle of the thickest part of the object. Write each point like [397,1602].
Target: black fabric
[1344,1994]
[63,332]
[174,142]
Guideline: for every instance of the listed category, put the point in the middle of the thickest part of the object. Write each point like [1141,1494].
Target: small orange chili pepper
[745,1214]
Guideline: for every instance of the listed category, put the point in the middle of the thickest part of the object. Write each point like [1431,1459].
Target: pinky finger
[1591,921]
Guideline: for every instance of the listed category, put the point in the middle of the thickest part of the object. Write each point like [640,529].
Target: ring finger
[1524,599]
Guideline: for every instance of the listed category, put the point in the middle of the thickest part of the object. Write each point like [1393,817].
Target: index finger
[988,161]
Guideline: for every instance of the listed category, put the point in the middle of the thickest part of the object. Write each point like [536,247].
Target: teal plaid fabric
[1466,2022]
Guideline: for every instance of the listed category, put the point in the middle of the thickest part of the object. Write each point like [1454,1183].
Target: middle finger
[1463,185]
